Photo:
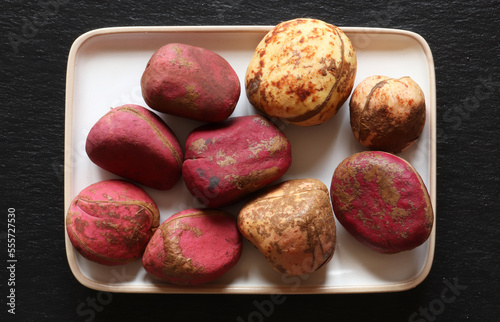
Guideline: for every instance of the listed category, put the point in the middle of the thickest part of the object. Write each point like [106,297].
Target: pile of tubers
[302,72]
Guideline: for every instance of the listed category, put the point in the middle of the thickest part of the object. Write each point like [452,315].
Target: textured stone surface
[465,47]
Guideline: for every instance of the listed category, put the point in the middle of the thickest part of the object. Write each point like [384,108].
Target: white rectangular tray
[104,71]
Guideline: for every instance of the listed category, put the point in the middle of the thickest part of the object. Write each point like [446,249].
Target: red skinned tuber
[111,222]
[136,144]
[229,160]
[380,199]
[194,246]
[190,82]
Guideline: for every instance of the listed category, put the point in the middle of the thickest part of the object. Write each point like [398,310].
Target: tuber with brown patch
[387,114]
[110,222]
[190,82]
[381,200]
[302,71]
[292,225]
[226,161]
[194,246]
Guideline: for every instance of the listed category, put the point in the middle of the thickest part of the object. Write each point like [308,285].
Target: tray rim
[215,289]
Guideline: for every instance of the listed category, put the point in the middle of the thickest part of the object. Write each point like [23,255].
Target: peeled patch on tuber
[380,199]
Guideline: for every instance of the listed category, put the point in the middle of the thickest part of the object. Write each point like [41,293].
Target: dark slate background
[35,38]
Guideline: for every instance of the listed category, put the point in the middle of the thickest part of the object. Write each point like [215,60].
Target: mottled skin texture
[292,225]
[381,200]
[191,82]
[136,144]
[111,222]
[226,161]
[387,114]
[194,246]
[302,71]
